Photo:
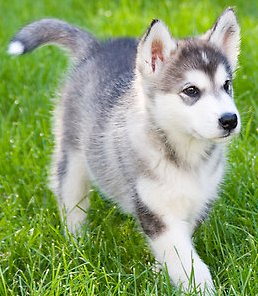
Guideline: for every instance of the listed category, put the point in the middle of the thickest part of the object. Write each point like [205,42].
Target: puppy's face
[188,83]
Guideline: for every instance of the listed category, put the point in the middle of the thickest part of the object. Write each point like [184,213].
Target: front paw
[200,281]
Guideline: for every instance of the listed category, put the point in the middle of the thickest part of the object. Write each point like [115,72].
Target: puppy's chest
[181,192]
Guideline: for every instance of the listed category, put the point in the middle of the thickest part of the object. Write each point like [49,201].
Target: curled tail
[79,43]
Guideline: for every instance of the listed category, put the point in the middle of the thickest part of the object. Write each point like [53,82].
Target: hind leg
[72,188]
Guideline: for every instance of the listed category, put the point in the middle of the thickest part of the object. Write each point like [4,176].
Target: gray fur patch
[189,56]
[151,224]
[79,42]
[209,152]
[170,152]
[159,138]
[189,101]
[61,170]
[62,166]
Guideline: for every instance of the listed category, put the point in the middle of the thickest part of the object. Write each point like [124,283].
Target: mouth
[225,137]
[220,139]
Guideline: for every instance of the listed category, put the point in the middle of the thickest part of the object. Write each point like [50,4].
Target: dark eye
[192,91]
[227,86]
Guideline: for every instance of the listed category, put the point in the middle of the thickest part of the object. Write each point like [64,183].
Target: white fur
[202,118]
[74,190]
[175,194]
[198,78]
[15,48]
[174,248]
[220,76]
[178,196]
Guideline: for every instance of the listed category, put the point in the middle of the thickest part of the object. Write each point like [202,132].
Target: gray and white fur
[146,122]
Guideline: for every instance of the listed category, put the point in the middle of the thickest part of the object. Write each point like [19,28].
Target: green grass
[112,258]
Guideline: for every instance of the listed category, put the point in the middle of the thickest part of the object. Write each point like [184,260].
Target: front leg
[174,248]
[170,240]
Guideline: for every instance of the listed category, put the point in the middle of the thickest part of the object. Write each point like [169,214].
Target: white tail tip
[15,48]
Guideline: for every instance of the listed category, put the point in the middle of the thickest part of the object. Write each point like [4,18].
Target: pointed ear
[154,48]
[225,34]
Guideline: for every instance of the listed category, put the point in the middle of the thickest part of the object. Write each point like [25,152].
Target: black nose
[228,121]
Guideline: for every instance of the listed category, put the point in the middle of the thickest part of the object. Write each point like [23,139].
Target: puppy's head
[187,83]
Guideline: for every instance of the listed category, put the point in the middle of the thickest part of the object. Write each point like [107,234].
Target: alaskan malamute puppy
[146,121]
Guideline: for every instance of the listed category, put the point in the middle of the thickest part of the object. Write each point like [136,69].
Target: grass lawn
[112,257]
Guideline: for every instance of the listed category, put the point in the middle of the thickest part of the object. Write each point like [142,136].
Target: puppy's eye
[192,91]
[227,86]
